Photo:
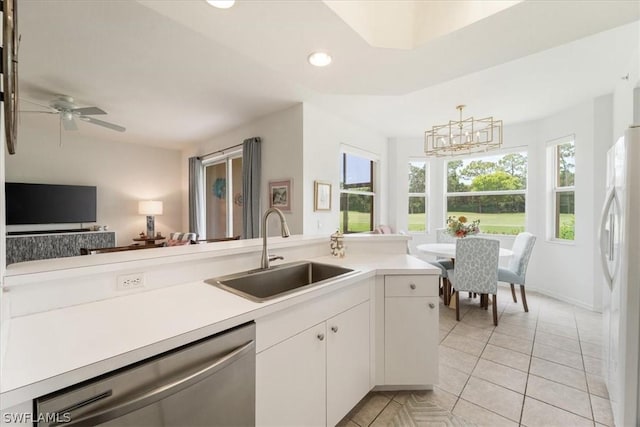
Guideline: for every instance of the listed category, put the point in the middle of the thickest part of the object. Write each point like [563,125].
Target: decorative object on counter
[280,194]
[142,235]
[150,208]
[463,136]
[322,196]
[460,227]
[105,227]
[337,244]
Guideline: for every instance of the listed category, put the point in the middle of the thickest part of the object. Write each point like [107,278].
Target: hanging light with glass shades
[463,136]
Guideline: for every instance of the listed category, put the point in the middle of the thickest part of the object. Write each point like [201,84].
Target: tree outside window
[356,194]
[491,189]
[417,195]
[564,189]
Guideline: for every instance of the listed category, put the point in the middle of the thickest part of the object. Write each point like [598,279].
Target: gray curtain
[251,187]
[196,197]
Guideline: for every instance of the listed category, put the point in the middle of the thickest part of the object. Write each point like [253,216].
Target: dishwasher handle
[162,391]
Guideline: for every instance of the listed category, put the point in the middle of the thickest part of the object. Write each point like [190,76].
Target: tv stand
[47,244]
[29,233]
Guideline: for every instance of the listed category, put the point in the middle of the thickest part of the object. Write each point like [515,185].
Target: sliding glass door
[223,196]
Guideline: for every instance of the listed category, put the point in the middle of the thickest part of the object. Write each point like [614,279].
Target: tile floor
[541,368]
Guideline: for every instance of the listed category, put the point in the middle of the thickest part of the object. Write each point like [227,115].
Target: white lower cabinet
[411,330]
[291,381]
[316,376]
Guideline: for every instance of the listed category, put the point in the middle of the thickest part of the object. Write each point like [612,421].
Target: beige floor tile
[475,333]
[591,336]
[592,350]
[457,359]
[512,343]
[452,380]
[387,414]
[592,365]
[563,331]
[559,373]
[556,355]
[597,386]
[501,375]
[540,414]
[368,408]
[556,319]
[497,399]
[522,332]
[346,422]
[602,410]
[438,397]
[559,342]
[443,334]
[480,416]
[463,343]
[507,357]
[559,395]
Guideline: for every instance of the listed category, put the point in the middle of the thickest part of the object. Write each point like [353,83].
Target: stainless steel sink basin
[261,285]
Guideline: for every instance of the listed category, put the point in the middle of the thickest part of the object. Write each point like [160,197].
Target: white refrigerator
[619,241]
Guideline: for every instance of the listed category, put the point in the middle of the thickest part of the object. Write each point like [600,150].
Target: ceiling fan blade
[85,111]
[103,123]
[48,107]
[69,124]
[40,112]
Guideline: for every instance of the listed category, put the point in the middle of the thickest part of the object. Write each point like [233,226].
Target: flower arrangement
[459,227]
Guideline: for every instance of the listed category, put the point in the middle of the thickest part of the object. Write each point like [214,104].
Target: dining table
[448,250]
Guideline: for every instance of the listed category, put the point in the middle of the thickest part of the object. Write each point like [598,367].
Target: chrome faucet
[284,229]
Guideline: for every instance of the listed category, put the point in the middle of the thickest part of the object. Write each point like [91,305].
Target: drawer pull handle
[412,285]
[334,328]
[432,305]
[321,337]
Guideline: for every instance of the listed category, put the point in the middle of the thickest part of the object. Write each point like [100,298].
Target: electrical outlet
[130,281]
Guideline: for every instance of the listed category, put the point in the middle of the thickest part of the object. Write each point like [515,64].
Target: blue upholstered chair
[476,270]
[516,272]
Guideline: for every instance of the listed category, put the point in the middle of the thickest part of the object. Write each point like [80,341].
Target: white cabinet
[291,381]
[316,376]
[348,369]
[411,330]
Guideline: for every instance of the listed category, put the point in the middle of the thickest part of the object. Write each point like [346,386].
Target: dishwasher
[210,382]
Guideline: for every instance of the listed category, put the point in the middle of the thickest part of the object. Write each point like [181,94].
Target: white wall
[122,173]
[324,134]
[281,135]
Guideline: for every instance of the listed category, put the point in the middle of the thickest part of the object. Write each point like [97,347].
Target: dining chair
[444,264]
[516,272]
[476,270]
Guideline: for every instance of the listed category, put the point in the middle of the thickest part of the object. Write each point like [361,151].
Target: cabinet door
[411,340]
[348,361]
[291,381]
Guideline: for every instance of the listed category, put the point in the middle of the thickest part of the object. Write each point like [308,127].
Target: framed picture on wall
[280,194]
[322,196]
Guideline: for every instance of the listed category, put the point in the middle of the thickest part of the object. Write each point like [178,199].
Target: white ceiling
[175,72]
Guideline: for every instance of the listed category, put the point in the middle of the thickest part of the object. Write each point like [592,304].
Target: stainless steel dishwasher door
[207,383]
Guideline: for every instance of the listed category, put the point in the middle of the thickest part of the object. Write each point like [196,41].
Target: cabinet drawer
[411,286]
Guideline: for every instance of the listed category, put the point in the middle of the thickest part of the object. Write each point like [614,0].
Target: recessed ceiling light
[320,59]
[221,4]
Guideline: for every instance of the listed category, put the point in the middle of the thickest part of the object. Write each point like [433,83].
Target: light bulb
[320,59]
[221,4]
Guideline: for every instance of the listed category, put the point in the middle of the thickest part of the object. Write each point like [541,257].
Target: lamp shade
[150,207]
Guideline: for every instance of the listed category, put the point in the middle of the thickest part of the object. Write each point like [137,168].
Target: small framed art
[322,196]
[280,194]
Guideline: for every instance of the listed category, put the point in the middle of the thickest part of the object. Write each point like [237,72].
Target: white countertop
[54,349]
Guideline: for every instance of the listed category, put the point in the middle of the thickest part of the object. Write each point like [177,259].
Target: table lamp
[150,208]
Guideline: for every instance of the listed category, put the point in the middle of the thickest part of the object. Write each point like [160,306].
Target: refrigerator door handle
[607,246]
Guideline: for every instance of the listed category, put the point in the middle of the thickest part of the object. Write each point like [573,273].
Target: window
[491,189]
[417,195]
[223,196]
[357,193]
[563,192]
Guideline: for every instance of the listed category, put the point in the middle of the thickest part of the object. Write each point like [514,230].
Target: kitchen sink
[261,285]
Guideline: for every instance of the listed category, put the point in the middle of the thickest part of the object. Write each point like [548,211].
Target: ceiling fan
[68,111]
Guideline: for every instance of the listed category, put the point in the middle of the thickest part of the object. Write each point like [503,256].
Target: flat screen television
[49,204]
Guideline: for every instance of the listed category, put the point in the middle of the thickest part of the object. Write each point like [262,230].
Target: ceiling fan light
[320,59]
[66,115]
[221,4]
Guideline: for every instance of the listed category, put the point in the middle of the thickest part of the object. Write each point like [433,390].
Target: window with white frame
[490,188]
[417,220]
[357,193]
[562,153]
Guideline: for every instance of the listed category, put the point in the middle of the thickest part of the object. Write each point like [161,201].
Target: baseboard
[554,295]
